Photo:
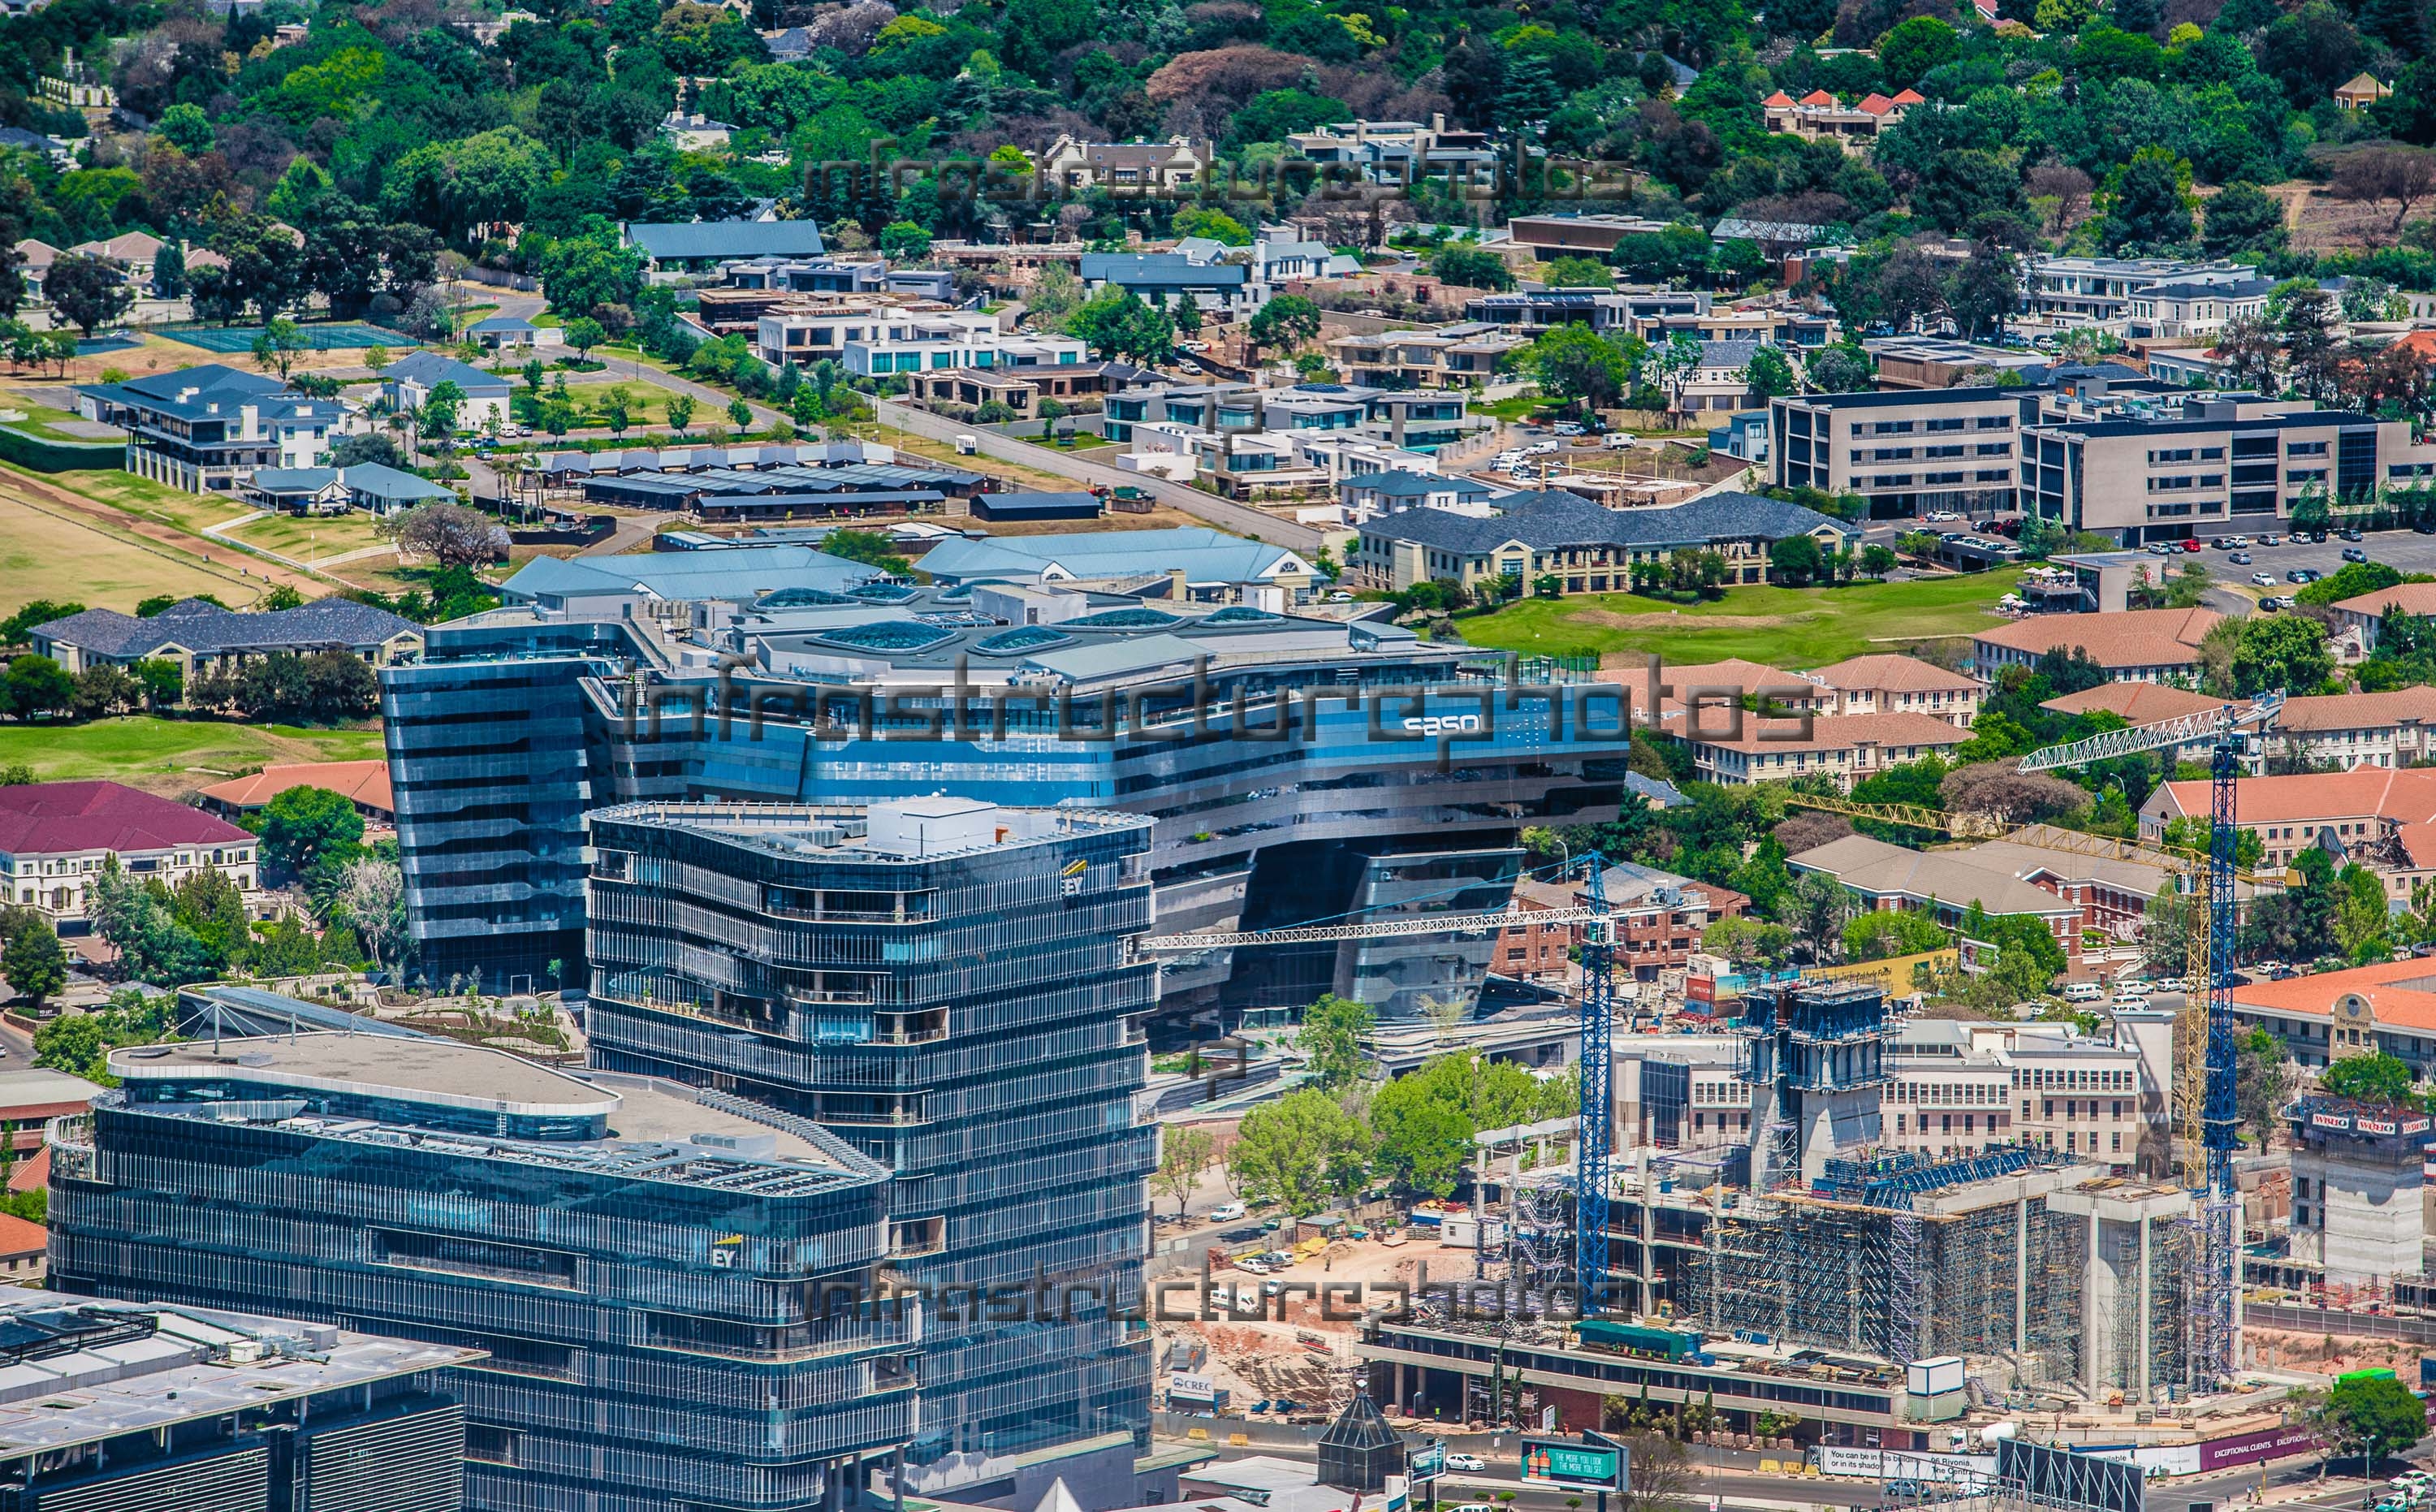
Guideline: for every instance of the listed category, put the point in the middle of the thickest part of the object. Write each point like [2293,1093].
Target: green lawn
[171,755]
[309,537]
[1781,627]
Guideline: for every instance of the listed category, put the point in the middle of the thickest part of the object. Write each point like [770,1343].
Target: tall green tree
[1332,1039]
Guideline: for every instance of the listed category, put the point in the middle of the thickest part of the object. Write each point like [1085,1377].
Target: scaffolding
[2057,1257]
[1540,1239]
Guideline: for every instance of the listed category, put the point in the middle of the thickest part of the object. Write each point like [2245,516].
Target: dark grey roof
[208,628]
[1556,519]
[2244,289]
[1158,268]
[1736,354]
[1398,483]
[431,369]
[1880,398]
[727,240]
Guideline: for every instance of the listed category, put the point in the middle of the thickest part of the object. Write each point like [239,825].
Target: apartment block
[56,838]
[1908,454]
[2100,290]
[1846,749]
[1940,884]
[1448,356]
[2392,729]
[2382,817]
[2133,646]
[1585,547]
[808,328]
[941,984]
[1884,683]
[2361,618]
[643,1263]
[2143,473]
[1964,1089]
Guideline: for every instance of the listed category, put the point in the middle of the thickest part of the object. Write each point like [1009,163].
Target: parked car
[1941,515]
[2265,580]
[2240,559]
[2299,575]
[2159,548]
[1187,366]
[1241,1236]
[2192,544]
[2239,543]
[1466,1462]
[1569,427]
[2270,540]
[1225,1212]
[2347,534]
[2352,554]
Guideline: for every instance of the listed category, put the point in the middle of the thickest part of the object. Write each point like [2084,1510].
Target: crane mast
[2216,1338]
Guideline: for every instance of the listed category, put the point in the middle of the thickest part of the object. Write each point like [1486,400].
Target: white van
[2082,992]
[1225,1212]
[1619,441]
[968,444]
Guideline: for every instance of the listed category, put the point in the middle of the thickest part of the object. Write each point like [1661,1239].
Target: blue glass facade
[671,1286]
[1392,749]
[949,994]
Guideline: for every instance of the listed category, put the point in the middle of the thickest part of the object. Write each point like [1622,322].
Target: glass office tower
[673,1286]
[944,984]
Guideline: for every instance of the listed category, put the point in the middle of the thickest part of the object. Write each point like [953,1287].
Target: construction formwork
[1987,1273]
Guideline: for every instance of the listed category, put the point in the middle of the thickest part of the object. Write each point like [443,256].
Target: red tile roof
[1818,96]
[2407,795]
[2132,638]
[2402,993]
[19,1238]
[1875,103]
[34,1173]
[1910,96]
[2358,711]
[52,818]
[2138,702]
[1888,673]
[1780,100]
[2410,598]
[363,782]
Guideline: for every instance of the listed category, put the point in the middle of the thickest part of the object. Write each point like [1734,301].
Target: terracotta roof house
[363,783]
[2391,729]
[132,248]
[2390,1006]
[201,637]
[55,837]
[32,1174]
[1849,748]
[2136,645]
[2363,812]
[23,1249]
[1719,686]
[2359,91]
[2362,616]
[1888,684]
[2137,703]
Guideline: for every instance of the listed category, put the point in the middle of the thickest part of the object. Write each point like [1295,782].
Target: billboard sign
[2250,1448]
[1426,1464]
[1594,1463]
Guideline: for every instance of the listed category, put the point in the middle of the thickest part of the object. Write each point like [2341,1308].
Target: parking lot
[2403,550]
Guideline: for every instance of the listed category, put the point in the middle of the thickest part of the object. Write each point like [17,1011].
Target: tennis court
[316,338]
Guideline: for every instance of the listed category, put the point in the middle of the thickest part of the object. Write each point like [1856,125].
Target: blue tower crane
[1596,1133]
[2232,735]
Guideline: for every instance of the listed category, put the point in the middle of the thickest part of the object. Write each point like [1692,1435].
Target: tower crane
[2233,735]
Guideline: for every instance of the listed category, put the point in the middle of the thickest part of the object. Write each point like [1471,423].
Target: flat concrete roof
[439,1070]
[152,1365]
[35,1085]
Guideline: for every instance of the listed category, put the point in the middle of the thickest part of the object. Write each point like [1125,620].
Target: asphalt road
[1730,1476]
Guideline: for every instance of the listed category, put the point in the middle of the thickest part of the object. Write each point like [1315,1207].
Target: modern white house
[408,382]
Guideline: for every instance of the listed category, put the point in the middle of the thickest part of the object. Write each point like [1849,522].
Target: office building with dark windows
[944,984]
[149,1407]
[671,1286]
[1338,767]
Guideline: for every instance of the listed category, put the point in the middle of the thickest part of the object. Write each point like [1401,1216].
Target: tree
[1768,373]
[1916,47]
[2262,1081]
[1467,267]
[2149,205]
[739,415]
[1298,1151]
[2373,1078]
[1183,1155]
[450,534]
[1877,561]
[1816,909]
[89,291]
[81,1044]
[2281,651]
[617,411]
[902,240]
[169,270]
[1288,321]
[38,685]
[375,902]
[1841,370]
[2369,1417]
[2375,175]
[1879,933]
[301,824]
[1332,1039]
[1575,364]
[2242,217]
[1986,289]
[278,344]
[32,958]
[1421,1139]
[584,333]
[680,413]
[1744,941]
[1796,559]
